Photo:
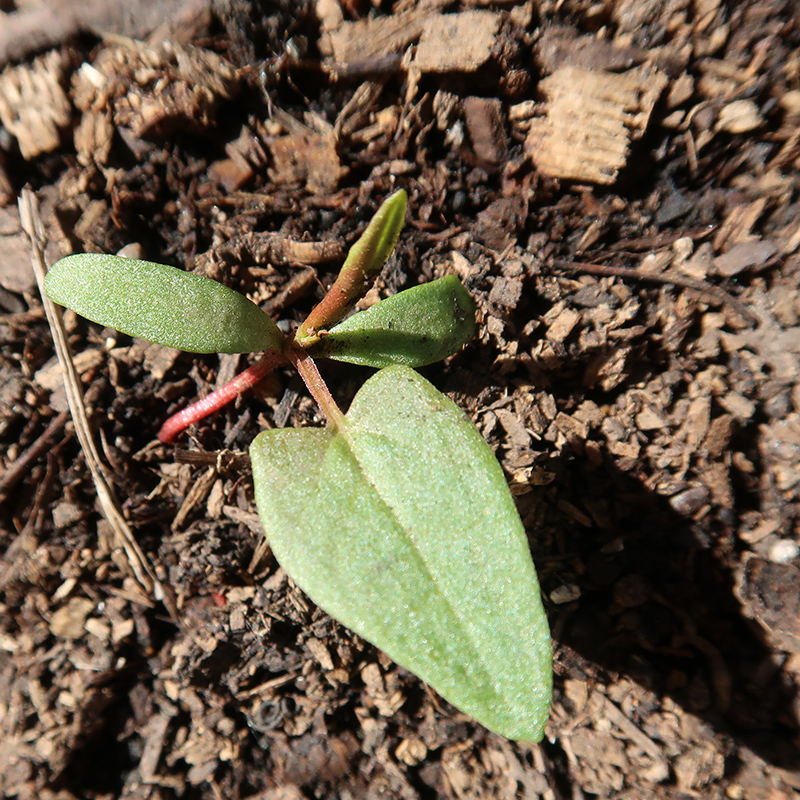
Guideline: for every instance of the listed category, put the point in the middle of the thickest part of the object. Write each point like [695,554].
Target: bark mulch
[617,185]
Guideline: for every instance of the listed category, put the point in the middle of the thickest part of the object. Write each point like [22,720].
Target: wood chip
[150,91]
[517,434]
[572,427]
[308,158]
[565,594]
[737,404]
[564,325]
[716,476]
[68,622]
[744,255]
[484,119]
[740,116]
[770,594]
[33,105]
[51,376]
[590,119]
[411,752]
[376,37]
[506,292]
[321,653]
[650,419]
[719,435]
[460,42]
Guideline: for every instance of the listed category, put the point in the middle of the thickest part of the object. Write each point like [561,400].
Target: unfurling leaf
[399,523]
[161,304]
[416,327]
[364,261]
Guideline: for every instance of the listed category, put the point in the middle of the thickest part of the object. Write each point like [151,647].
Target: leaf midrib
[345,430]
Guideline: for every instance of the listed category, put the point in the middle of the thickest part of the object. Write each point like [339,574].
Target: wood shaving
[590,119]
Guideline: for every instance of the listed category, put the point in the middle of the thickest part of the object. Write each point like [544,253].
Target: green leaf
[162,304]
[364,261]
[400,525]
[416,327]
[375,245]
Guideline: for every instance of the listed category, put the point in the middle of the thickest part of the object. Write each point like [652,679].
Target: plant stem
[316,384]
[220,398]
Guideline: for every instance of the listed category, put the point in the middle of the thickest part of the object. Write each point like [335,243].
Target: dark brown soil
[617,185]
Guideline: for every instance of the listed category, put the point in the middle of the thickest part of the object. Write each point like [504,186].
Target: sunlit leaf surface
[401,526]
[161,304]
[416,327]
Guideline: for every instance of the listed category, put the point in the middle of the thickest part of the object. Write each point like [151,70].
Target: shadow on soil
[658,605]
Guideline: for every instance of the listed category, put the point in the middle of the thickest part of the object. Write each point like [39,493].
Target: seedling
[396,518]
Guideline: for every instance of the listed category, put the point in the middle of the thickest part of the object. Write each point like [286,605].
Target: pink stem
[316,384]
[219,399]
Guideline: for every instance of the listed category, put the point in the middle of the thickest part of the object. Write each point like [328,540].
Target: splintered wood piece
[150,91]
[460,42]
[590,119]
[374,37]
[33,104]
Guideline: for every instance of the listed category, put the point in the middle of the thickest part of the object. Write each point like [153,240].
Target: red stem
[217,400]
[316,384]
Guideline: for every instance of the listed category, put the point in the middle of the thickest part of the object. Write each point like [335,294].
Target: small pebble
[783,551]
[132,250]
[689,501]
[740,116]
[565,594]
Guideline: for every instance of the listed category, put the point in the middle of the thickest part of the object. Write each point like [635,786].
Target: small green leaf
[364,261]
[400,524]
[375,245]
[416,327]
[161,304]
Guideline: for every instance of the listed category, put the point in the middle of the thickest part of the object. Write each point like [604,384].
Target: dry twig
[715,293]
[141,570]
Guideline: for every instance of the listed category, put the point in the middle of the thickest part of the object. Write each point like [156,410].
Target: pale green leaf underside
[161,304]
[401,526]
[416,327]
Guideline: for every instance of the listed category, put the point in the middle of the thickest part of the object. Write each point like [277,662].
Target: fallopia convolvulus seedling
[396,517]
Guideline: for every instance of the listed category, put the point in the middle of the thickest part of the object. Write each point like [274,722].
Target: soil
[617,185]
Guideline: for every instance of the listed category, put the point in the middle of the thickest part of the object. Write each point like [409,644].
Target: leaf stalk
[316,385]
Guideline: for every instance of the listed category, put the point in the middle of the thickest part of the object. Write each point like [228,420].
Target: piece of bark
[150,91]
[245,155]
[375,37]
[33,104]
[561,46]
[770,593]
[745,255]
[457,42]
[484,119]
[53,22]
[591,117]
[310,158]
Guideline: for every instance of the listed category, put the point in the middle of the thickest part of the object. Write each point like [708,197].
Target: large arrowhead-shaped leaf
[401,526]
[416,327]
[161,304]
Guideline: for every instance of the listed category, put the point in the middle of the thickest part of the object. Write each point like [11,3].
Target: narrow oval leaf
[400,525]
[161,304]
[416,327]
